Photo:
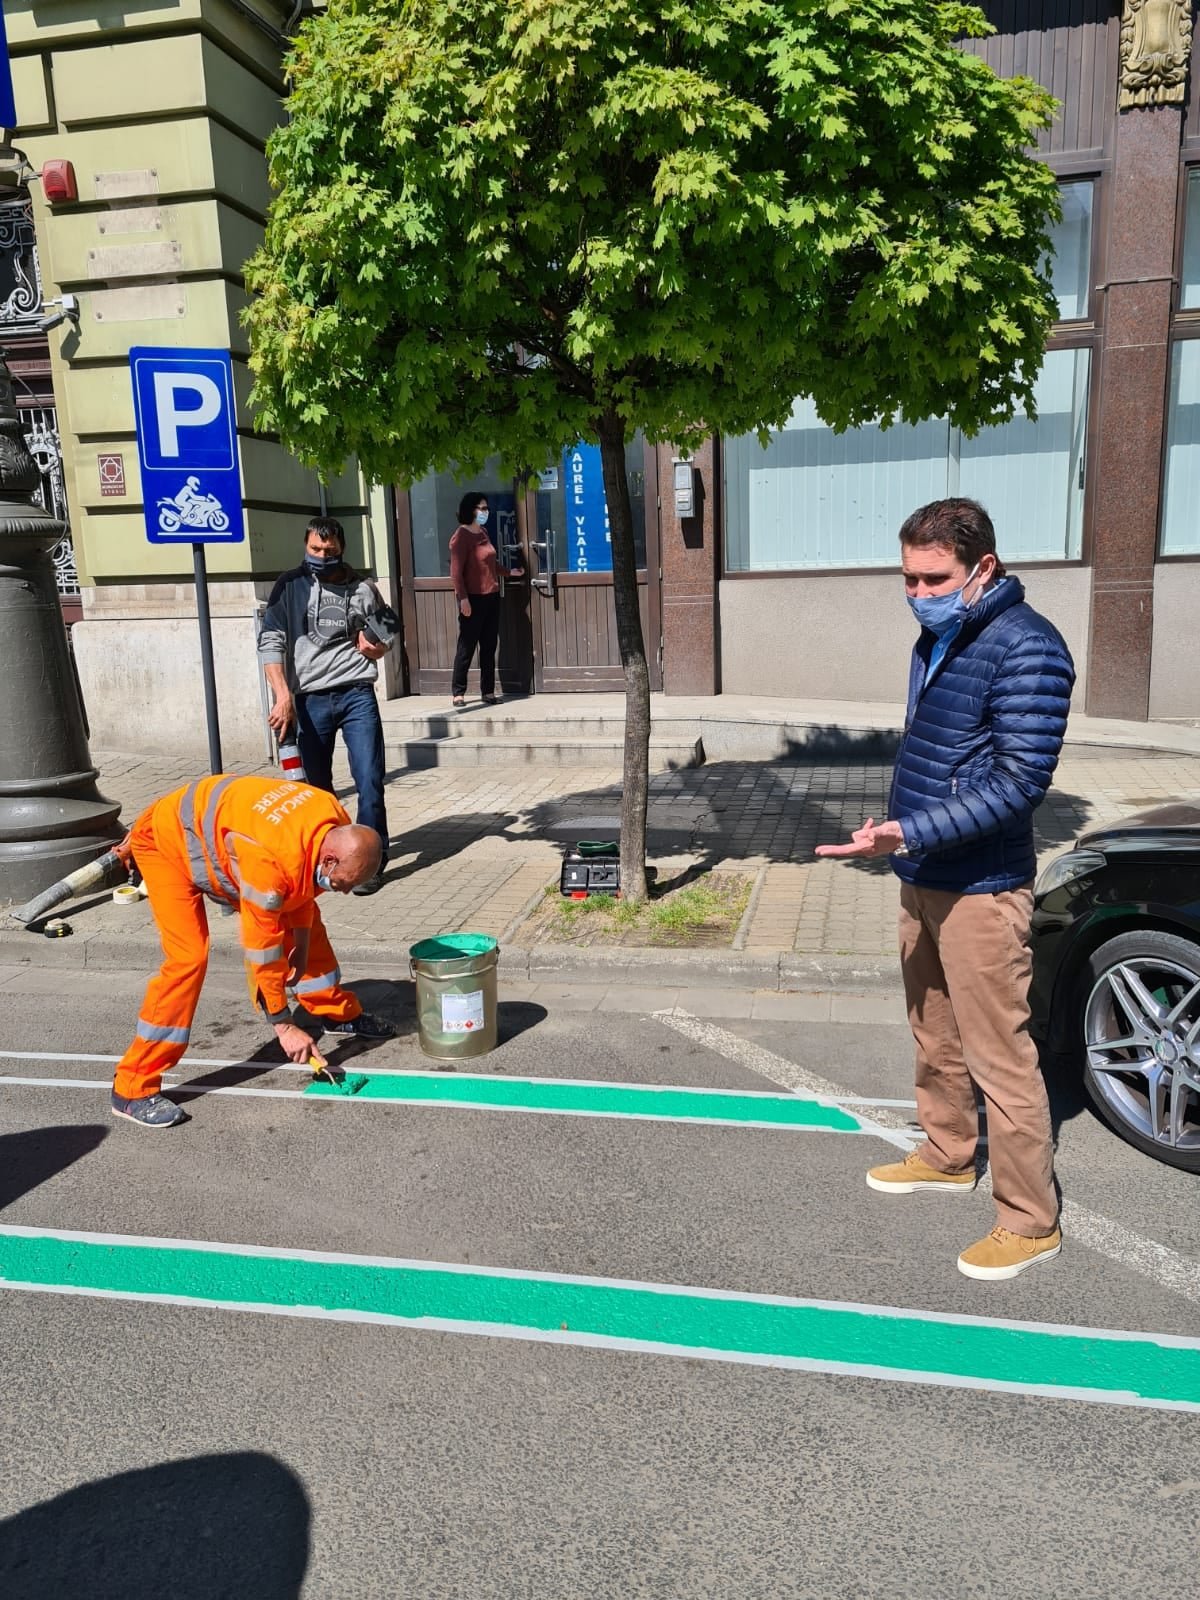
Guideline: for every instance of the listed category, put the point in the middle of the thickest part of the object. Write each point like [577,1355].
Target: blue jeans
[356,712]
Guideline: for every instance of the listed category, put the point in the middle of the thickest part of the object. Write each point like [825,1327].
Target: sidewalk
[477,847]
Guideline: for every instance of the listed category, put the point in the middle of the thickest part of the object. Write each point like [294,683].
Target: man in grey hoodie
[324,630]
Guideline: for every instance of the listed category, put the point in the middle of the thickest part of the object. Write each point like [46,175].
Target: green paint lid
[452,947]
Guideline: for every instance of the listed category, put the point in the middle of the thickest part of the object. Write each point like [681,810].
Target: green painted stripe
[601,1099]
[1138,1369]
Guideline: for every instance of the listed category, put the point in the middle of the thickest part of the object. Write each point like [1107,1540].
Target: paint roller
[342,1082]
[111,869]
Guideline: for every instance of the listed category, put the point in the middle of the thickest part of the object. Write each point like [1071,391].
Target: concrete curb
[778,971]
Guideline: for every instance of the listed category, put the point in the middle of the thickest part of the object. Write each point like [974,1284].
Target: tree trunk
[636,784]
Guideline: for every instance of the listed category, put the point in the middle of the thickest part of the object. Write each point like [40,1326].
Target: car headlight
[1075,864]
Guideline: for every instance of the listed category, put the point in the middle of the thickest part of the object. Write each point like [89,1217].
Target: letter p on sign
[204,406]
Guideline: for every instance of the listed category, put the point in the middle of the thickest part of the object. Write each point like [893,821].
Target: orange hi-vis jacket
[255,842]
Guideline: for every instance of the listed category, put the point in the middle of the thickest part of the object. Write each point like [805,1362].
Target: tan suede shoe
[1003,1254]
[902,1177]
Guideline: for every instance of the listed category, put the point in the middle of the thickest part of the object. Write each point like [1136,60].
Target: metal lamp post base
[53,818]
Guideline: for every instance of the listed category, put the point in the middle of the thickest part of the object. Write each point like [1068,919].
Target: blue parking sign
[186,419]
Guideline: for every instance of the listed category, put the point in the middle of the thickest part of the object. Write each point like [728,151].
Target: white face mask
[481,518]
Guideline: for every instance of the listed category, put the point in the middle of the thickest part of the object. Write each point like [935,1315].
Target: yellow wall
[163,112]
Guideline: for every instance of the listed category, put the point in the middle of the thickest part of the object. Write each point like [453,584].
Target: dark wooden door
[574,619]
[558,630]
[427,594]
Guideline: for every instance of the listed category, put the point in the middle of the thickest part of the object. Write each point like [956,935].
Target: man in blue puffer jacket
[988,696]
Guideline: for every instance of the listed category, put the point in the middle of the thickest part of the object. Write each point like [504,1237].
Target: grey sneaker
[151,1111]
[365,1026]
[372,885]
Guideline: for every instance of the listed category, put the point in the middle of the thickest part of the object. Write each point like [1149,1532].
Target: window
[1180,532]
[434,502]
[1189,288]
[1029,475]
[559,521]
[1179,528]
[1071,250]
[816,499]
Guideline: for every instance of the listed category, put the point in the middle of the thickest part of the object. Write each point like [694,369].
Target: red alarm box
[58,182]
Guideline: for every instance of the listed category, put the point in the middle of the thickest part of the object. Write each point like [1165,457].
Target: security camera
[68,312]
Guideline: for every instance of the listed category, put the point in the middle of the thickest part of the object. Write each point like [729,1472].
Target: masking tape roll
[126,895]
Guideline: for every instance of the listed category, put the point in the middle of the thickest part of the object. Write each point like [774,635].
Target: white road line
[1164,1266]
[105,1084]
[1179,1274]
[779,1070]
[63,1055]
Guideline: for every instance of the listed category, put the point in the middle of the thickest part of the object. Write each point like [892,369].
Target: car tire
[1129,989]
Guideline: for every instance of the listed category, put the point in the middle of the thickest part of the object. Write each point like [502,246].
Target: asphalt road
[189,1450]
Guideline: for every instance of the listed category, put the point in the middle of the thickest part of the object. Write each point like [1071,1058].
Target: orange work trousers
[165,1019]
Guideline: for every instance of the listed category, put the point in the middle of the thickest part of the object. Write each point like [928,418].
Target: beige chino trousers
[966,964]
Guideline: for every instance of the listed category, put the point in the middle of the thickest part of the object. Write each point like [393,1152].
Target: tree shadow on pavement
[214,1526]
[433,842]
[33,1157]
[777,810]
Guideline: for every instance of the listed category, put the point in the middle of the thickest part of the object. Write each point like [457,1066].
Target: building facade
[1095,503]
[782,580]
[163,112]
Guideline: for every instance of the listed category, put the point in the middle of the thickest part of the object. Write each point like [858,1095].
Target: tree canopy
[497,221]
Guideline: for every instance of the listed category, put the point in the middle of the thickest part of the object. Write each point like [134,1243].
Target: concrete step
[534,748]
[480,724]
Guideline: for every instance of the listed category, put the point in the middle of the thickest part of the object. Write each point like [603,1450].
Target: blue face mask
[322,880]
[942,612]
[320,564]
[481,518]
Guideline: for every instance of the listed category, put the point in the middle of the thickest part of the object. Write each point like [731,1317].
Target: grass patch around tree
[694,911]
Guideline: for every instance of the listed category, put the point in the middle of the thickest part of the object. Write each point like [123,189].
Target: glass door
[574,620]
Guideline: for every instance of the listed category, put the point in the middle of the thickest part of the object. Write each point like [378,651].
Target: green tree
[508,225]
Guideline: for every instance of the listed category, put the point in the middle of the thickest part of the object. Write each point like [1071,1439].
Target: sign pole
[206,658]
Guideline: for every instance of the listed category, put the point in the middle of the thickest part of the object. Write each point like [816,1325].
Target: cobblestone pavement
[473,847]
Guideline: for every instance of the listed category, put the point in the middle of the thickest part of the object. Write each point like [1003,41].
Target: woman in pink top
[476,577]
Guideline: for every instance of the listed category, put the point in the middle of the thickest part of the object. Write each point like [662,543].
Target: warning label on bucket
[462,1013]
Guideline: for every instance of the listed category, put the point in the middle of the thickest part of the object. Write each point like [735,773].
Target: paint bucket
[455,974]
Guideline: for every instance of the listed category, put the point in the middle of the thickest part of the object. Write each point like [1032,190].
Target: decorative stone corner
[1156,45]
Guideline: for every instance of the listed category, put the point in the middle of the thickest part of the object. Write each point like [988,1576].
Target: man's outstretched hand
[869,840]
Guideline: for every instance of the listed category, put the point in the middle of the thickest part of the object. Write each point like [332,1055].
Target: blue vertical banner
[589,541]
[8,109]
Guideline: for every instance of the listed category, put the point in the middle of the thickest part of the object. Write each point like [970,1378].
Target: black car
[1116,975]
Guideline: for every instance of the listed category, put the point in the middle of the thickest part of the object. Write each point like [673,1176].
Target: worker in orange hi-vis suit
[271,848]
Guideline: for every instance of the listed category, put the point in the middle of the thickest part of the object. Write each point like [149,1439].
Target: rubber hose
[105,873]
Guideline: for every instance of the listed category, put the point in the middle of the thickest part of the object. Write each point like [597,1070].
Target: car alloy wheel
[1141,1035]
